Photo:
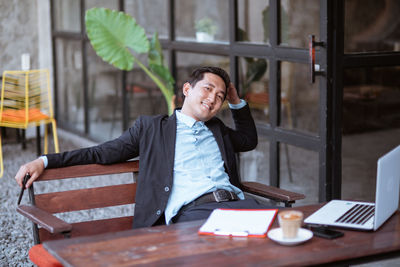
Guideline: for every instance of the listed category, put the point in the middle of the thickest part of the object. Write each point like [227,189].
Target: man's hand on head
[35,168]
[232,95]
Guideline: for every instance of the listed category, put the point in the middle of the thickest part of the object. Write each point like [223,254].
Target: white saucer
[302,236]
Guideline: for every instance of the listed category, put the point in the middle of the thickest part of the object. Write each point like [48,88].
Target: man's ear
[186,88]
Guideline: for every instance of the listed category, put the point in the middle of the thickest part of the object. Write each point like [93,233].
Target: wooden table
[180,245]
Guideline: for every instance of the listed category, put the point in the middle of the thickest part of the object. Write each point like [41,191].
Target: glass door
[290,103]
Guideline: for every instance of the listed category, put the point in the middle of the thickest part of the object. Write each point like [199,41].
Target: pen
[26,178]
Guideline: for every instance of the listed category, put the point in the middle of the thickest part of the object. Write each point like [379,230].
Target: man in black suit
[187,160]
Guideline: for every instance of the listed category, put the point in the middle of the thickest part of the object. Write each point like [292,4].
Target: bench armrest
[271,192]
[46,220]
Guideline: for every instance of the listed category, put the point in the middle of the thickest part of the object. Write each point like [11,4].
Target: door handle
[314,68]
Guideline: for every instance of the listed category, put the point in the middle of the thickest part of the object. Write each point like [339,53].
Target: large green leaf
[164,74]
[155,54]
[111,33]
[156,62]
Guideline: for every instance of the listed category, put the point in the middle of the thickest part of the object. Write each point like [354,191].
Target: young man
[187,160]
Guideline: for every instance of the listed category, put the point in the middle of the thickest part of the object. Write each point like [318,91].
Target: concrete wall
[25,28]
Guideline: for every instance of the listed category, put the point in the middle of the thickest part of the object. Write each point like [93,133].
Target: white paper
[238,222]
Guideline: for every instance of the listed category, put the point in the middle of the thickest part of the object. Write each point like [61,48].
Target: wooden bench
[42,206]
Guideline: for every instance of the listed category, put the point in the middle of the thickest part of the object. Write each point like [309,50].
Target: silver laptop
[364,215]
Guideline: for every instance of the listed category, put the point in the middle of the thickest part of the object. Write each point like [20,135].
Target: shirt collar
[189,121]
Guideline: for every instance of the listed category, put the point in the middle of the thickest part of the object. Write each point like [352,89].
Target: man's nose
[211,97]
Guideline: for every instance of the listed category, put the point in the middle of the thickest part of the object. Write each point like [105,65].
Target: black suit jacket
[153,139]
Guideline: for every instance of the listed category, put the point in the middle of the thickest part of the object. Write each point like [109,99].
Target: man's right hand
[35,168]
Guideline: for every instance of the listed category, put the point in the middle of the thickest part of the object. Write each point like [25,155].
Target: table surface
[180,244]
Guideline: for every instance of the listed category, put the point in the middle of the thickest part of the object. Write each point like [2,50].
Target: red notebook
[239,222]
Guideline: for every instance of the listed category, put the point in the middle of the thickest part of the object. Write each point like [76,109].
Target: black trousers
[202,211]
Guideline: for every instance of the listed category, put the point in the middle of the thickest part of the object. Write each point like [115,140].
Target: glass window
[253,21]
[371,126]
[299,172]
[372,31]
[299,19]
[299,98]
[67,15]
[254,165]
[371,99]
[111,4]
[69,82]
[144,96]
[150,18]
[253,86]
[202,21]
[104,97]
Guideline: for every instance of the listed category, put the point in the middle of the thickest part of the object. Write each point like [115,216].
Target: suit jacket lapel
[169,137]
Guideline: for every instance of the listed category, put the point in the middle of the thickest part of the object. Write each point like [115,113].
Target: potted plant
[205,29]
[116,38]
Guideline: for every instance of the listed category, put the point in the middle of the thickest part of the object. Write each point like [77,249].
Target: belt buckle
[222,195]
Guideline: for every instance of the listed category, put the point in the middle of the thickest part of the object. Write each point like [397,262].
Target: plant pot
[204,37]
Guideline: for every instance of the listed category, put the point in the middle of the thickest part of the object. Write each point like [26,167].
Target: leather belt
[219,195]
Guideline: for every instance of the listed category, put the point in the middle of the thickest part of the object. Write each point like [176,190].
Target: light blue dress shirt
[198,166]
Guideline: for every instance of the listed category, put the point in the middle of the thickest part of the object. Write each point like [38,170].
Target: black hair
[198,75]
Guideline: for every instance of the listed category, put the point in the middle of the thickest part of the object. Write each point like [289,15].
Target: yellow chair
[26,102]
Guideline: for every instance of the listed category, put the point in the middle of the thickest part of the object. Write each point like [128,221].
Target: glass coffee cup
[290,221]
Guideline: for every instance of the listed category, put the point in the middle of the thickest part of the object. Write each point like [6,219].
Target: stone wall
[18,33]
[25,28]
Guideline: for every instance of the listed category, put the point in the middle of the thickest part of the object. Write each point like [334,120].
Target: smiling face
[204,100]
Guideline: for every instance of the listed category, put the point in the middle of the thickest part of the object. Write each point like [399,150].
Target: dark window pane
[253,21]
[371,99]
[111,4]
[69,82]
[299,19]
[299,99]
[67,15]
[150,18]
[253,86]
[144,96]
[299,172]
[371,126]
[105,100]
[372,25]
[254,165]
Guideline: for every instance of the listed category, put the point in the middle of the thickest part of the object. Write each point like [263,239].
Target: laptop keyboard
[359,214]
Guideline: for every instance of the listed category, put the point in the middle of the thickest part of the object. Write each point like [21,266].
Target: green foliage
[114,35]
[256,69]
[156,62]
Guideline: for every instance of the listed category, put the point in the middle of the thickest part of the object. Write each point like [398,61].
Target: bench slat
[90,198]
[88,170]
